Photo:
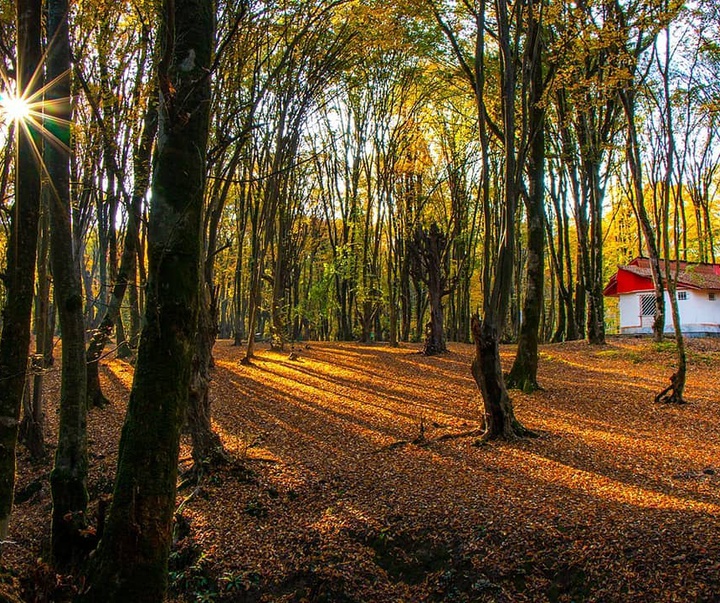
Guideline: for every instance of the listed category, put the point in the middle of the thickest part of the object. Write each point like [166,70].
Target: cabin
[698,292]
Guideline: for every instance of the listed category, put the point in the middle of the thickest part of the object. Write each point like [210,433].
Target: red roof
[636,276]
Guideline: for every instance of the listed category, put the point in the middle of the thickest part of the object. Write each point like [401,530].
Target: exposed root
[517,432]
[671,394]
[424,441]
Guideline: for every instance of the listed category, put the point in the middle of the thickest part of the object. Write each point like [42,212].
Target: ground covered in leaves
[342,487]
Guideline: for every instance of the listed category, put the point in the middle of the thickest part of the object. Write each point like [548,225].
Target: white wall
[697,313]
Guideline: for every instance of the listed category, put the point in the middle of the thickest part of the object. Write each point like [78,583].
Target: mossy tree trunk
[131,561]
[69,474]
[19,277]
[523,374]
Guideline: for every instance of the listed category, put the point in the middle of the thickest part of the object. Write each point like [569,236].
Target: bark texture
[131,561]
[69,474]
[430,265]
[523,374]
[500,421]
[19,275]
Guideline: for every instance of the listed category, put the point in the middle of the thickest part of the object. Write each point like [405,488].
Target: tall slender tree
[19,274]
[69,473]
[498,275]
[128,259]
[523,373]
[639,31]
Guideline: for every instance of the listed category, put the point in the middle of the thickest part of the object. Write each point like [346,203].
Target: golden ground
[328,499]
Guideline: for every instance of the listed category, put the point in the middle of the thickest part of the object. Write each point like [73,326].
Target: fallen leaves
[616,500]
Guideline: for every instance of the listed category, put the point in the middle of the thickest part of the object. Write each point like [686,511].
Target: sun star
[14,108]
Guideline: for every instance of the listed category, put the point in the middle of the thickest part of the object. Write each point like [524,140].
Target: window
[682,295]
[647,305]
[711,296]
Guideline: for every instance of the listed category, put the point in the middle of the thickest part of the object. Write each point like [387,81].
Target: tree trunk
[207,448]
[19,278]
[596,299]
[69,474]
[405,295]
[238,318]
[523,374]
[122,343]
[430,266]
[678,379]
[392,297]
[500,421]
[674,393]
[131,561]
[434,330]
[135,312]
[437,282]
[254,305]
[278,327]
[635,165]
[238,298]
[486,367]
[32,429]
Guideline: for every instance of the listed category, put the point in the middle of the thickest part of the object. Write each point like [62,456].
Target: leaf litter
[343,488]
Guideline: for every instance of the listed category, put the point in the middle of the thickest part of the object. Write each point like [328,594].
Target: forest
[401,216]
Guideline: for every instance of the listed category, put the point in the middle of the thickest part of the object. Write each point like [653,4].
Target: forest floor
[342,488]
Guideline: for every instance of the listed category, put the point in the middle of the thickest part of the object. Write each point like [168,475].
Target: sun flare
[14,108]
[31,112]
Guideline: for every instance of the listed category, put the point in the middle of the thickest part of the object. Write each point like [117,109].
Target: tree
[668,187]
[302,51]
[457,136]
[497,277]
[131,561]
[639,38]
[69,473]
[585,95]
[669,193]
[32,428]
[523,373]
[207,448]
[560,254]
[651,243]
[431,265]
[19,275]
